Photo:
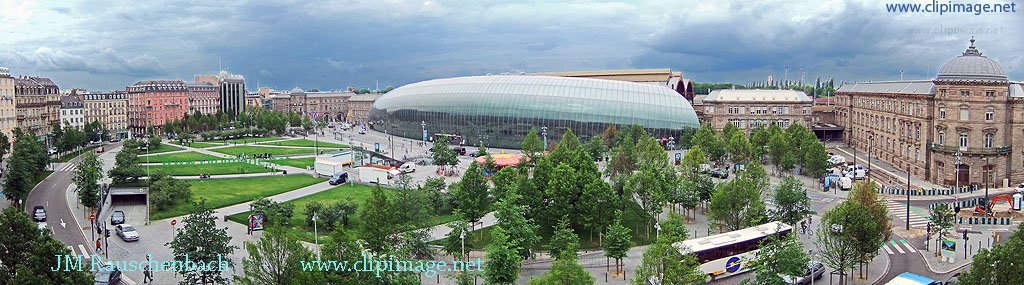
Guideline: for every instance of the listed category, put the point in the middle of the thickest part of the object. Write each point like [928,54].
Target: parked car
[459,150]
[338,178]
[117,218]
[362,132]
[1020,188]
[718,173]
[127,232]
[108,274]
[814,271]
[99,149]
[39,214]
[407,167]
[114,140]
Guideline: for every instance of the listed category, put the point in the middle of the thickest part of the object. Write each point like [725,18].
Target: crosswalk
[900,211]
[898,247]
[69,167]
[81,251]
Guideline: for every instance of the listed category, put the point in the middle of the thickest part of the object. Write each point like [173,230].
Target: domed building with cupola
[964,127]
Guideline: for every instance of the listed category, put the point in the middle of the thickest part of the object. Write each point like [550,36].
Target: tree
[998,265]
[565,271]
[378,221]
[759,139]
[27,161]
[274,212]
[442,154]
[126,166]
[739,147]
[815,160]
[87,176]
[532,145]
[942,217]
[440,199]
[470,194]
[275,259]
[503,259]
[564,241]
[199,240]
[663,262]
[870,235]
[522,232]
[561,194]
[565,150]
[708,140]
[166,192]
[755,173]
[618,240]
[736,205]
[5,145]
[792,204]
[594,206]
[595,147]
[153,142]
[453,241]
[28,256]
[779,256]
[330,215]
[505,181]
[836,238]
[673,229]
[778,148]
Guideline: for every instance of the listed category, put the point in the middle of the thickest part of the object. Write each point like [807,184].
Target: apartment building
[154,103]
[34,109]
[8,114]
[109,109]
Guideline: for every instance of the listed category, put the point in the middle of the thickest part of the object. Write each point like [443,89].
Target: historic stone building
[33,96]
[110,110]
[204,98]
[8,114]
[154,103]
[72,111]
[331,105]
[232,90]
[748,109]
[970,112]
[359,107]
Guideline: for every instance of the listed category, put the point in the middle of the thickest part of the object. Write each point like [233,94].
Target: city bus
[907,278]
[730,253]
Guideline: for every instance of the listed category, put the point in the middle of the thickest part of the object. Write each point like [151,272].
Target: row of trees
[25,166]
[253,121]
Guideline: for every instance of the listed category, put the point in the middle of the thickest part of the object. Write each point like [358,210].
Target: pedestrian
[147,274]
[803,227]
[98,248]
[248,229]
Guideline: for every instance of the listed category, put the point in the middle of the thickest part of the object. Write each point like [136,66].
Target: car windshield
[40,210]
[118,214]
[128,229]
[103,276]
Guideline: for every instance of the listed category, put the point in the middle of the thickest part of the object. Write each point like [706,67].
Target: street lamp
[671,142]
[316,236]
[544,132]
[957,168]
[462,236]
[986,185]
[423,124]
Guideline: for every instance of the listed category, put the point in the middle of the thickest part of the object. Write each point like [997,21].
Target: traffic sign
[92,217]
[174,222]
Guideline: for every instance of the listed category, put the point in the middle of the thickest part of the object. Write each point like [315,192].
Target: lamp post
[316,236]
[957,168]
[462,236]
[908,198]
[871,146]
[544,132]
[423,125]
[986,185]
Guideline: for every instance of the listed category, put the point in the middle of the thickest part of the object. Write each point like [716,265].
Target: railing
[970,150]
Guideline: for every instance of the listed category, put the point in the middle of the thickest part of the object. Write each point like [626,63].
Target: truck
[329,164]
[845,183]
[377,174]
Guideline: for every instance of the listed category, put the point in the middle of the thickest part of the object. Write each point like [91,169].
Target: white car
[1020,188]
[127,232]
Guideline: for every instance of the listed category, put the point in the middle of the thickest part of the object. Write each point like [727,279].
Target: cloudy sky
[105,45]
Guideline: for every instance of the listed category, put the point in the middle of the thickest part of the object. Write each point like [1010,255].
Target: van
[338,178]
[836,160]
[408,167]
[845,183]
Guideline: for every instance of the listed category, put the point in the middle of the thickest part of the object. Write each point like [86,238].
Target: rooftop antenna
[219,65]
[901,74]
[785,76]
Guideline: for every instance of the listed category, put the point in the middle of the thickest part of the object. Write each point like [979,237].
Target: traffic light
[107,232]
[929,230]
[965,235]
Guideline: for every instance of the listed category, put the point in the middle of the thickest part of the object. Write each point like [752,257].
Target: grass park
[211,169]
[356,193]
[161,149]
[200,144]
[296,162]
[276,151]
[305,143]
[226,192]
[178,156]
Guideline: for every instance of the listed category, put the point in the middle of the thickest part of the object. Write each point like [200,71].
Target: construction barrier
[963,204]
[984,220]
[925,192]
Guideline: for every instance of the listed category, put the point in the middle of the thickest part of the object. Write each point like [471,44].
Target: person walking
[98,244]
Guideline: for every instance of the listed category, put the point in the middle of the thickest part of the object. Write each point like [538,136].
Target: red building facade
[154,103]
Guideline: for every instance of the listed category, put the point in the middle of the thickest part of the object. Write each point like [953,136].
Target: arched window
[988,140]
[963,139]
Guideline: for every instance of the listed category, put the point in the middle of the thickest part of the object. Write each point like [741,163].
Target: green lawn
[225,192]
[201,144]
[245,140]
[296,162]
[356,193]
[249,150]
[305,143]
[69,156]
[162,148]
[212,169]
[179,156]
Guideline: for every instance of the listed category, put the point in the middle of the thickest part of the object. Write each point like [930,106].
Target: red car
[99,150]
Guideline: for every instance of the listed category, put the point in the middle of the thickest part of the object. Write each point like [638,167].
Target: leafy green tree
[617,242]
[453,241]
[739,147]
[5,145]
[276,213]
[778,148]
[378,221]
[331,215]
[505,181]
[594,206]
[759,137]
[532,145]
[777,256]
[199,240]
[815,159]
[838,234]
[562,194]
[87,176]
[999,265]
[709,141]
[663,262]
[791,201]
[27,161]
[28,255]
[565,150]
[275,259]
[736,205]
[565,271]
[442,153]
[596,148]
[522,232]
[414,202]
[503,259]
[871,236]
[470,193]
[941,217]
[126,166]
[728,130]
[621,162]
[166,192]
[437,193]
[673,229]
[755,173]
[564,241]
[693,159]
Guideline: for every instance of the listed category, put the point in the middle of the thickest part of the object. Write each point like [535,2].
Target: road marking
[886,247]
[897,247]
[84,252]
[62,224]
[909,247]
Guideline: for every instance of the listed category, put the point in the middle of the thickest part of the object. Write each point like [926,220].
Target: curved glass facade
[500,110]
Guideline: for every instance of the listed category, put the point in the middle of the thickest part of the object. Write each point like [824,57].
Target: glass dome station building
[499,110]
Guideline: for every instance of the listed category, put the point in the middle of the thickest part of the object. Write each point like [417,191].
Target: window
[964,113]
[990,94]
[988,140]
[965,93]
[989,114]
[942,112]
[942,137]
[963,139]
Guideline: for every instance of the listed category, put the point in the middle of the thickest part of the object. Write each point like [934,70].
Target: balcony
[970,150]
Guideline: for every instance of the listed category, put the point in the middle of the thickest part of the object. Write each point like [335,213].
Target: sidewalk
[881,166]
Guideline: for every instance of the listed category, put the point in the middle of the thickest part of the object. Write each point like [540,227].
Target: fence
[985,220]
[963,204]
[925,192]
